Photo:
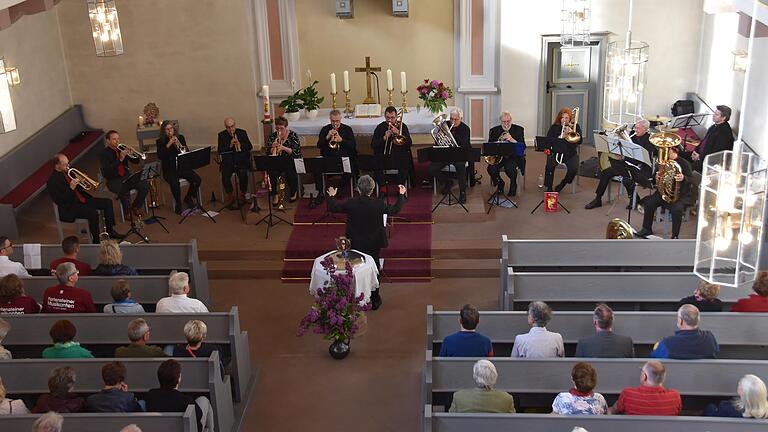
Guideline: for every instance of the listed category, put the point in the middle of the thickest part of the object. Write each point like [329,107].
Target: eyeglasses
[10,245]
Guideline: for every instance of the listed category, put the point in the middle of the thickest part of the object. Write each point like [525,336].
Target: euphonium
[441,133]
[132,152]
[668,169]
[619,229]
[86,182]
[573,137]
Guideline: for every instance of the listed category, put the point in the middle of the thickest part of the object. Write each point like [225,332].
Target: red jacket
[753,303]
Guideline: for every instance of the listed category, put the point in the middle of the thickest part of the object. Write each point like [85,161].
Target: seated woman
[111,261]
[5,327]
[122,301]
[13,300]
[195,331]
[63,334]
[10,406]
[60,399]
[752,401]
[757,302]
[704,298]
[581,399]
[483,398]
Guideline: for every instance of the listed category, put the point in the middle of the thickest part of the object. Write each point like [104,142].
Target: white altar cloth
[418,122]
[365,276]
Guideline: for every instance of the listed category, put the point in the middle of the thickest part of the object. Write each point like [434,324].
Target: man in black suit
[461,134]
[235,152]
[605,343]
[114,168]
[75,203]
[719,137]
[335,140]
[382,142]
[513,134]
[365,221]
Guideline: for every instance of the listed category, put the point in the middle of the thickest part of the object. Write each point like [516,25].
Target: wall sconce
[7,116]
[105,27]
[739,61]
[12,76]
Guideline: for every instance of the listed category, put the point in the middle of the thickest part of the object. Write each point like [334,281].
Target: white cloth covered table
[365,276]
[418,122]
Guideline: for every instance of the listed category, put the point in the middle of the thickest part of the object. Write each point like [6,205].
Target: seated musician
[335,140]
[461,134]
[169,146]
[75,203]
[685,197]
[640,138]
[564,152]
[384,143]
[114,168]
[719,137]
[235,152]
[510,133]
[284,142]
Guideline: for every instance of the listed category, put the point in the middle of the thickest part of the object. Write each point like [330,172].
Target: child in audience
[13,301]
[704,298]
[111,261]
[114,397]
[10,406]
[581,399]
[5,327]
[61,382]
[752,401]
[122,301]
[63,334]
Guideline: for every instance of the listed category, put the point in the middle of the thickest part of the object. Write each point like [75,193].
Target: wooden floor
[377,388]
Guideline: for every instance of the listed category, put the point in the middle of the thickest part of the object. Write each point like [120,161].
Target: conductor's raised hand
[332,191]
[402,189]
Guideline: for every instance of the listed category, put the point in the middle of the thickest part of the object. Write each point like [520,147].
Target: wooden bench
[111,329]
[101,422]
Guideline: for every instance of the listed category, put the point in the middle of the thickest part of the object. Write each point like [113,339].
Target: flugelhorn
[131,152]
[85,182]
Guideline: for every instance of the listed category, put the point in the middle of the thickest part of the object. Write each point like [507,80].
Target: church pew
[581,289]
[199,375]
[483,422]
[111,329]
[100,422]
[146,290]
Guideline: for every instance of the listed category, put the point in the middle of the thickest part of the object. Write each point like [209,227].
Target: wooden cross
[368,69]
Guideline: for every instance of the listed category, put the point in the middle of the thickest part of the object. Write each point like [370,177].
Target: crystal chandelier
[105,27]
[575,17]
[7,116]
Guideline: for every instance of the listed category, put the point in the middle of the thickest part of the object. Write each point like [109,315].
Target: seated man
[757,302]
[66,297]
[168,398]
[538,342]
[467,342]
[650,398]
[138,333]
[335,140]
[605,343]
[689,342]
[114,397]
[387,140]
[512,134]
[461,134]
[483,398]
[6,265]
[719,137]
[179,302]
[234,147]
[71,248]
[122,301]
[114,167]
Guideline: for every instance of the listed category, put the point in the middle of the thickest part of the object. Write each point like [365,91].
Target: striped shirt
[645,400]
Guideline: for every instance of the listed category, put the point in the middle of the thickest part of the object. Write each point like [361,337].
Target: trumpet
[182,148]
[276,146]
[333,142]
[236,143]
[132,152]
[85,182]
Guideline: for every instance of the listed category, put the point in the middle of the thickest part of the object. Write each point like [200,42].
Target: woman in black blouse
[563,151]
[284,142]
[169,146]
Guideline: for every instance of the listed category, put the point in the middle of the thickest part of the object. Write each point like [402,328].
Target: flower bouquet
[435,95]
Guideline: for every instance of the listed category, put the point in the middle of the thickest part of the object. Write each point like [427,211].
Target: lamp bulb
[721,243]
[746,237]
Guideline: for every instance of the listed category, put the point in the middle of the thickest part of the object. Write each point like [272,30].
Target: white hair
[753,397]
[504,114]
[48,422]
[365,185]
[643,123]
[456,110]
[484,373]
[64,271]
[131,428]
[177,282]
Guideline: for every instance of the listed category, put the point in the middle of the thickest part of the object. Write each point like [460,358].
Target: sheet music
[299,164]
[32,258]
[346,165]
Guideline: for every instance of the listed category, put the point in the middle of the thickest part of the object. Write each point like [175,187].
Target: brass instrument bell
[85,182]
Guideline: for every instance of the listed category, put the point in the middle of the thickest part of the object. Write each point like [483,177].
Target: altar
[418,122]
[365,276]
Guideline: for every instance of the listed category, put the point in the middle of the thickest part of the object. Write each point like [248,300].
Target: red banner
[550,202]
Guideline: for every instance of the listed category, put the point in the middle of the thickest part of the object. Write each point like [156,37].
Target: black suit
[110,169]
[719,137]
[685,198]
[347,148]
[629,183]
[567,152]
[238,162]
[402,159]
[461,134]
[172,174]
[605,344]
[71,207]
[510,163]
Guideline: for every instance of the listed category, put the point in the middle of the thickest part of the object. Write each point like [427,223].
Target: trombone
[131,152]
[84,181]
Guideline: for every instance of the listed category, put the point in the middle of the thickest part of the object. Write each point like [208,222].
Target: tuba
[619,229]
[132,152]
[668,187]
[441,133]
[573,137]
[86,182]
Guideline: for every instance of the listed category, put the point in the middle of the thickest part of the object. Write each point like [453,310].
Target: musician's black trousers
[172,177]
[290,179]
[510,165]
[141,186]
[90,210]
[605,177]
[226,178]
[571,162]
[435,170]
[654,201]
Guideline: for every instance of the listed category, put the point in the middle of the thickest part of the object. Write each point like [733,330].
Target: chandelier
[7,116]
[575,17]
[105,27]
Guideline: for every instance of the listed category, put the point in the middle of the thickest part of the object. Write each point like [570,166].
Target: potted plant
[311,100]
[336,310]
[293,105]
[435,95]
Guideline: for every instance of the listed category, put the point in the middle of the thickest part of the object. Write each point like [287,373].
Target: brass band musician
[284,142]
[169,146]
[384,142]
[335,140]
[561,128]
[114,167]
[461,133]
[510,133]
[234,143]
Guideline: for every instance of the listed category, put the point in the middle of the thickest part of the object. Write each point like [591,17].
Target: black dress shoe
[645,232]
[462,198]
[375,300]
[594,204]
[512,189]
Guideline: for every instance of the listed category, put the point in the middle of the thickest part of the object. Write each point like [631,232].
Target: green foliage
[310,98]
[293,103]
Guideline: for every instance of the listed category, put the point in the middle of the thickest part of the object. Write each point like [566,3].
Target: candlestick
[405,103]
[390,102]
[389,80]
[347,103]
[333,98]
[333,83]
[346,81]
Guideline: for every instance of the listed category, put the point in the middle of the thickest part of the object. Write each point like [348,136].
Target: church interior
[572,152]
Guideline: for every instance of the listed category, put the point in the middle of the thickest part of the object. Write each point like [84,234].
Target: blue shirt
[687,345]
[466,344]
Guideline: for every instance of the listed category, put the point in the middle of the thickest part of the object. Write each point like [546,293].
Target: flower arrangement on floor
[336,310]
[435,95]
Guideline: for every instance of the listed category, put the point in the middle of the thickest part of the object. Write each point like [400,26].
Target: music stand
[542,144]
[686,121]
[152,171]
[633,156]
[125,189]
[321,165]
[447,156]
[500,149]
[272,163]
[193,160]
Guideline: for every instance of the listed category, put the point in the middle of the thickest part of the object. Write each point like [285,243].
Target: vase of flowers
[435,95]
[336,311]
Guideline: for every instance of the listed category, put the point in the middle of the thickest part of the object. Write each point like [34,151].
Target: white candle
[141,121]
[333,83]
[389,80]
[265,91]
[403,87]
[309,75]
[346,81]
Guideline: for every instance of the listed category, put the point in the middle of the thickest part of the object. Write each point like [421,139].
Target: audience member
[111,261]
[483,398]
[10,406]
[650,398]
[138,333]
[5,327]
[48,422]
[580,399]
[195,331]
[179,301]
[688,342]
[467,342]
[121,299]
[70,246]
[65,297]
[13,300]
[605,343]
[705,298]
[168,398]
[61,382]
[752,401]
[757,302]
[114,397]
[6,265]
[131,428]
[63,335]
[538,342]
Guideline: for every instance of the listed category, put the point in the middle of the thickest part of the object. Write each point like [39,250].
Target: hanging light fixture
[576,17]
[105,27]
[625,79]
[732,205]
[7,116]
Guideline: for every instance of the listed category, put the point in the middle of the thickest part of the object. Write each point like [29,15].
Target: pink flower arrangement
[435,95]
